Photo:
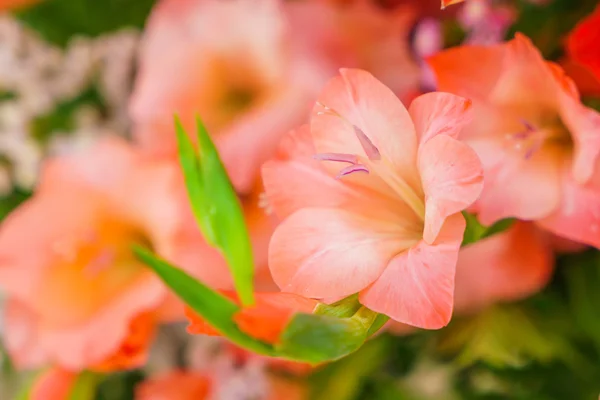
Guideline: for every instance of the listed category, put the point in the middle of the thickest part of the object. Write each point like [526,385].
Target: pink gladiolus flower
[539,145]
[77,297]
[371,196]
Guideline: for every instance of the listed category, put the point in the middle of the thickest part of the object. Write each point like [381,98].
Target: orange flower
[77,297]
[265,320]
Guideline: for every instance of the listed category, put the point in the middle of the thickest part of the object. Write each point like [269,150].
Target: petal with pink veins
[357,100]
[318,252]
[294,179]
[584,126]
[452,178]
[417,286]
[578,215]
[440,113]
[515,186]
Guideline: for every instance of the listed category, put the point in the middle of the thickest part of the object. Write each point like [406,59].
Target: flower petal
[356,99]
[318,252]
[417,286]
[452,178]
[439,113]
[294,180]
[511,179]
[469,71]
[505,267]
[584,125]
[578,215]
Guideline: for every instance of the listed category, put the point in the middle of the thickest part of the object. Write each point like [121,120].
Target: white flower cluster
[39,76]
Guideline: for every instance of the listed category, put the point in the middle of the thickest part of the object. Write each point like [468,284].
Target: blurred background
[72,71]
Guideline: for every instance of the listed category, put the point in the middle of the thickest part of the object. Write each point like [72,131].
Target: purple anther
[528,125]
[371,151]
[531,151]
[351,169]
[338,157]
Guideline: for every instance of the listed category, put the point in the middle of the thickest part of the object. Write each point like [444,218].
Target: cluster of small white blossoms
[41,76]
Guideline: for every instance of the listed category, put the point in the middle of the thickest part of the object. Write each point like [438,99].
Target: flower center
[89,270]
[535,137]
[373,163]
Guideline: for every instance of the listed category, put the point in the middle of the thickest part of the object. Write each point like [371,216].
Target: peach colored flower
[388,224]
[77,297]
[265,320]
[539,145]
[508,266]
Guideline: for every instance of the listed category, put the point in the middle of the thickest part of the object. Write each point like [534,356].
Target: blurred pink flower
[539,145]
[77,297]
[388,225]
[252,68]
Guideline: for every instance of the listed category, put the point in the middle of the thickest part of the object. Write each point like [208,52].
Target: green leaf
[582,279]
[319,338]
[475,231]
[119,385]
[216,207]
[344,308]
[57,21]
[216,309]
[85,386]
